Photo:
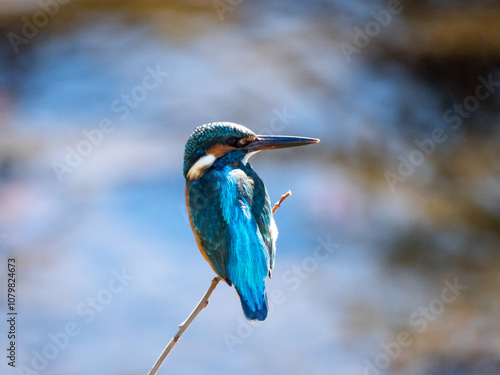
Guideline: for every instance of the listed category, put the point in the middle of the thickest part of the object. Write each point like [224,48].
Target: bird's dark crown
[216,138]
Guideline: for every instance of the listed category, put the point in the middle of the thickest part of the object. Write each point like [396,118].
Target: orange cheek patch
[219,150]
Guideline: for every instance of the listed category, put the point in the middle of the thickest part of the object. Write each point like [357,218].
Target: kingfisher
[229,207]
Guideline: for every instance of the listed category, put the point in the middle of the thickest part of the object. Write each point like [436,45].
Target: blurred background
[388,256]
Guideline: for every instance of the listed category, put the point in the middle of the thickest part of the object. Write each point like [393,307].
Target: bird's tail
[254,304]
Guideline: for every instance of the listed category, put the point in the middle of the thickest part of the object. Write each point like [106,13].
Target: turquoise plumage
[230,210]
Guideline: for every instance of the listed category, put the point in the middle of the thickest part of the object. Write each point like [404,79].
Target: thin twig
[201,305]
[184,326]
[283,197]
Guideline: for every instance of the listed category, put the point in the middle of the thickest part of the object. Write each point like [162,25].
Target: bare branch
[184,326]
[283,197]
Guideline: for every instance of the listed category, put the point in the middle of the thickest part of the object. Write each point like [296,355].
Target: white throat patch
[248,156]
[203,163]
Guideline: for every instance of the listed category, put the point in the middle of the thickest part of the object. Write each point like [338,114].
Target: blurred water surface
[388,253]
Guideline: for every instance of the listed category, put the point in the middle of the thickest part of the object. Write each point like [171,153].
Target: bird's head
[212,141]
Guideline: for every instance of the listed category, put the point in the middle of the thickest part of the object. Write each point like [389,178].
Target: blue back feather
[248,261]
[231,214]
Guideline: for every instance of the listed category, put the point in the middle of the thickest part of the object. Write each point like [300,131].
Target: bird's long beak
[269,142]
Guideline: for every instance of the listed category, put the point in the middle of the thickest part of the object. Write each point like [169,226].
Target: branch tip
[282,199]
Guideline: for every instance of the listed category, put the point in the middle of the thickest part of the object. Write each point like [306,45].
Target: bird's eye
[232,141]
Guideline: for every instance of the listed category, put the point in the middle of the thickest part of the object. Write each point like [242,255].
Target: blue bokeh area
[388,254]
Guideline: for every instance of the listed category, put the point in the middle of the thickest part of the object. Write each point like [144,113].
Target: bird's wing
[261,211]
[209,227]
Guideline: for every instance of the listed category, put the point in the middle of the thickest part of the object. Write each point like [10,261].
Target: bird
[229,207]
